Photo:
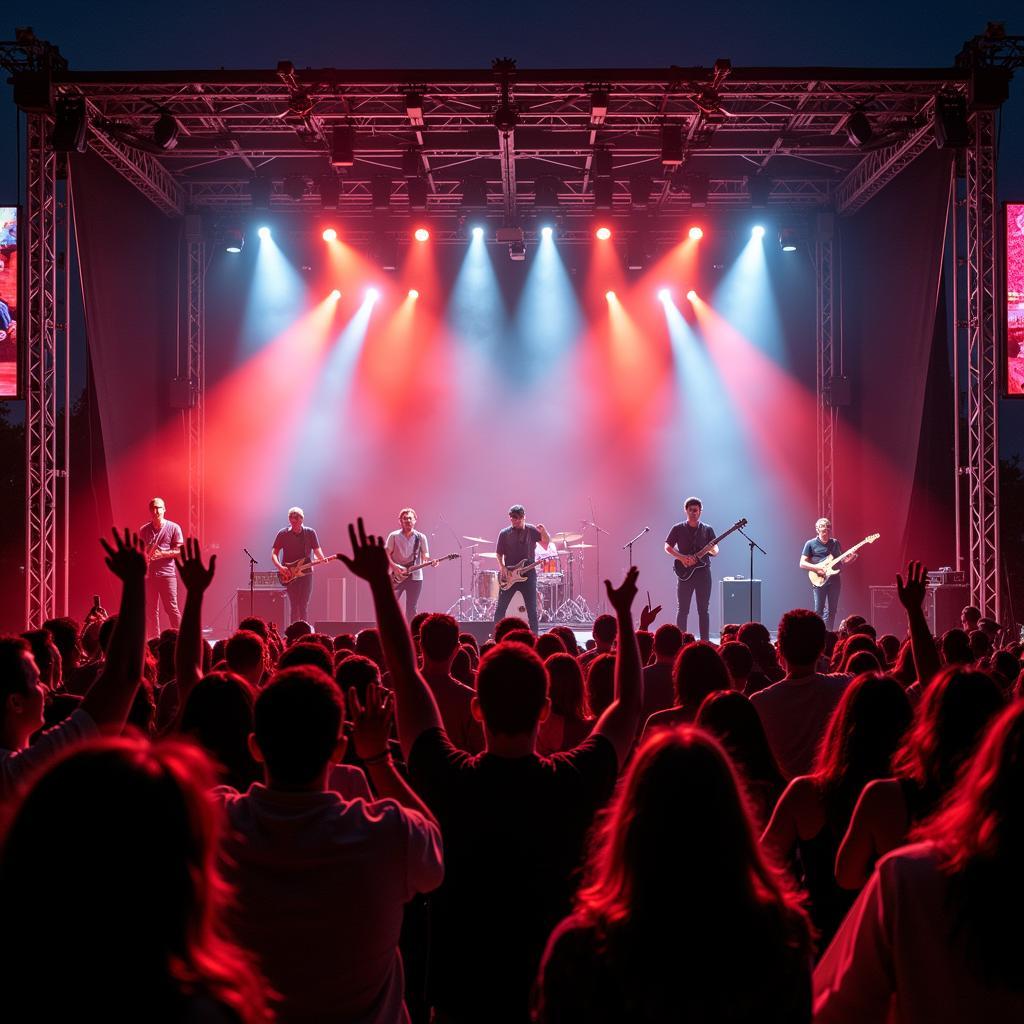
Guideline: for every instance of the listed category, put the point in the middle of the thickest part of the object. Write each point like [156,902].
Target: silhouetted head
[439,638]
[801,638]
[512,689]
[698,671]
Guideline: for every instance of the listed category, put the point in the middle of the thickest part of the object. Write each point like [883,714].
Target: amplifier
[267,604]
[947,577]
[942,607]
[266,580]
[736,600]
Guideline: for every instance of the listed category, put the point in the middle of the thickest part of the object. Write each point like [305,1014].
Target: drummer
[549,555]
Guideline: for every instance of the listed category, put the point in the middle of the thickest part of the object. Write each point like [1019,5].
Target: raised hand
[125,559]
[911,593]
[371,724]
[648,615]
[193,573]
[369,559]
[621,598]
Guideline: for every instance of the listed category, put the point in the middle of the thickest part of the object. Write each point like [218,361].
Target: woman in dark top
[698,671]
[730,717]
[680,917]
[812,815]
[569,723]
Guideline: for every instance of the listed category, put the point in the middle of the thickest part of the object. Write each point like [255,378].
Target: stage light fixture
[604,191]
[417,189]
[759,187]
[342,147]
[547,231]
[335,294]
[330,235]
[330,191]
[263,232]
[294,186]
[421,235]
[949,122]
[636,252]
[664,294]
[609,295]
[789,239]
[412,163]
[414,108]
[165,130]
[234,239]
[478,232]
[757,231]
[671,145]
[386,251]
[858,128]
[413,294]
[691,295]
[517,250]
[603,233]
[372,295]
[261,188]
[70,126]
[598,106]
[696,234]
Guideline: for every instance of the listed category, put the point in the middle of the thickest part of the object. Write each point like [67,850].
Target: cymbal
[576,547]
[477,540]
[487,554]
[566,538]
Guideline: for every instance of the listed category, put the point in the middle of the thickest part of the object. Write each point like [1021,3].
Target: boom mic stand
[750,579]
[598,530]
[629,544]
[252,582]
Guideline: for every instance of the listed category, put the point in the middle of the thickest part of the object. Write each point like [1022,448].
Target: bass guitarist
[516,544]
[407,547]
[684,543]
[297,542]
[818,548]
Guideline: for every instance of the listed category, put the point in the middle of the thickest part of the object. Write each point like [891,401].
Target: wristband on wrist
[384,755]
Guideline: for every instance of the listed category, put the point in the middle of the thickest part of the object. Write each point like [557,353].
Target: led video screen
[1015,299]
[9,354]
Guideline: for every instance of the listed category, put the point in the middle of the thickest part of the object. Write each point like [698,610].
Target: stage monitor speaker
[735,600]
[267,604]
[942,607]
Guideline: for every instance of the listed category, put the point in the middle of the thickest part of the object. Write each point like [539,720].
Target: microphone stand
[598,530]
[629,544]
[462,586]
[252,582]
[750,579]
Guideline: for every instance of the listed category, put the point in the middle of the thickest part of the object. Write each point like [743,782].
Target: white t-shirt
[321,884]
[15,765]
[402,548]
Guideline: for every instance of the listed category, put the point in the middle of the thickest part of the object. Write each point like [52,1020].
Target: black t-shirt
[514,831]
[296,545]
[688,540]
[814,551]
[515,545]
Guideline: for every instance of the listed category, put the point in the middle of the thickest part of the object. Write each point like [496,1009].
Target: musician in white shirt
[406,547]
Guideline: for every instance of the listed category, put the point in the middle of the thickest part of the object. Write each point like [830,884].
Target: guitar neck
[707,547]
[850,551]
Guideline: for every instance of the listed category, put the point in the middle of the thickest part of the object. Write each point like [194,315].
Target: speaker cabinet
[267,604]
[735,600]
[942,607]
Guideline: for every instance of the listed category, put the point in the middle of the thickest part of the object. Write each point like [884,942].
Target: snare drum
[486,585]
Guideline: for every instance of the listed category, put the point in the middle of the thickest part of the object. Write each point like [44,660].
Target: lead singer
[516,543]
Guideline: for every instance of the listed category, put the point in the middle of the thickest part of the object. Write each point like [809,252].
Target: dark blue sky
[470,33]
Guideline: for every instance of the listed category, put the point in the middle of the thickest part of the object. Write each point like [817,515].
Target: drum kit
[559,584]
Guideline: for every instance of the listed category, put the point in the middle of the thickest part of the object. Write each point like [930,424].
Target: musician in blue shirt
[818,548]
[684,543]
[516,543]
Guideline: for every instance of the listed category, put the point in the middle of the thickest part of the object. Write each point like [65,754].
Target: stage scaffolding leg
[40,327]
[826,365]
[195,373]
[983,377]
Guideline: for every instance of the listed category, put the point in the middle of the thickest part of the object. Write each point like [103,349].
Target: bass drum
[485,586]
[517,607]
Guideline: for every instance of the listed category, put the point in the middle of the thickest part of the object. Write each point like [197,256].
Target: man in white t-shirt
[322,881]
[407,547]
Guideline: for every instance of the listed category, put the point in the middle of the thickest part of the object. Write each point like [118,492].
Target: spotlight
[342,154]
[478,233]
[517,250]
[691,295]
[165,131]
[413,294]
[264,232]
[234,239]
[671,145]
[547,231]
[603,233]
[858,128]
[335,294]
[330,235]
[757,231]
[789,238]
[414,108]
[598,106]
[664,294]
[609,295]
[696,233]
[372,295]
[421,234]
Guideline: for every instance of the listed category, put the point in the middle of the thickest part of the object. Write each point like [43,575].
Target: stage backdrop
[525,382]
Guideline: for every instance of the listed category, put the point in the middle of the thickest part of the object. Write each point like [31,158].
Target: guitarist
[683,542]
[295,542]
[815,550]
[163,540]
[407,547]
[517,543]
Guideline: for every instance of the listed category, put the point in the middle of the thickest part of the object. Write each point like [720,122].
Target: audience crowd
[408,826]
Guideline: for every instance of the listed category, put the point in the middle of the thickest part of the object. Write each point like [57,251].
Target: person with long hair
[935,934]
[949,724]
[698,671]
[731,718]
[812,815]
[570,720]
[134,833]
[681,915]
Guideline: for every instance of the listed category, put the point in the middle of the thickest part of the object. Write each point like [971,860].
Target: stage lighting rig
[234,238]
[414,108]
[342,148]
[790,239]
[506,113]
[671,145]
[412,163]
[858,128]
[165,131]
[515,239]
[598,106]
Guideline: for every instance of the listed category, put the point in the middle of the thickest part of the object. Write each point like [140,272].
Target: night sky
[189,34]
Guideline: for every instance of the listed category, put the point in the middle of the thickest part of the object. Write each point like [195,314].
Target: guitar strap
[415,550]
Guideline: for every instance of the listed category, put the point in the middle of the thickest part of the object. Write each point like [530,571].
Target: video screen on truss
[1015,299]
[9,351]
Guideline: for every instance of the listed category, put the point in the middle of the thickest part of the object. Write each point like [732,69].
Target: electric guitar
[684,572]
[831,565]
[513,574]
[401,575]
[300,567]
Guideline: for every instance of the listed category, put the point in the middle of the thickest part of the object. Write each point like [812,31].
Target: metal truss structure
[380,151]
